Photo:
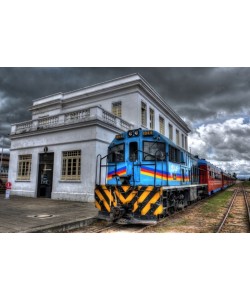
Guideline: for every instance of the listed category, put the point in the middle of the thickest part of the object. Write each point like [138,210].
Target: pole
[2,155]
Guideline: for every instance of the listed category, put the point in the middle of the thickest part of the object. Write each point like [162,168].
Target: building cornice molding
[59,144]
[61,99]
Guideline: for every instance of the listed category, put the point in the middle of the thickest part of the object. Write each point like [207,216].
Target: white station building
[54,154]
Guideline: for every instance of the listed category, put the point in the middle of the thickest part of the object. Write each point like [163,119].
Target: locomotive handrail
[99,159]
[161,164]
[100,166]
[96,167]
[155,160]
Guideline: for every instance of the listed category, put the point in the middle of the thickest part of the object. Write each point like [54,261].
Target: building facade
[4,168]
[54,154]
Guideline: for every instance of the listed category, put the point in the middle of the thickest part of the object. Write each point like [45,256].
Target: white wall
[157,112]
[91,140]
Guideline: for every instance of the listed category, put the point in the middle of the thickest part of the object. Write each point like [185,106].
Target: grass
[207,213]
[246,183]
[217,202]
[180,223]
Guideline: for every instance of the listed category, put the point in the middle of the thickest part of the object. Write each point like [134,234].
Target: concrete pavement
[23,214]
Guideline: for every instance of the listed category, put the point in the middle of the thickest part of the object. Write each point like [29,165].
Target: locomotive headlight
[130,133]
[136,132]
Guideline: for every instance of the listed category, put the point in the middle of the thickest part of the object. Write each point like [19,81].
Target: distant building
[4,169]
[54,154]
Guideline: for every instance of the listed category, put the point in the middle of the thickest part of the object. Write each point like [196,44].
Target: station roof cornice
[105,87]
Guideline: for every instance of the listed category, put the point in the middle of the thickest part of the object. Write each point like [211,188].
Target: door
[133,167]
[45,175]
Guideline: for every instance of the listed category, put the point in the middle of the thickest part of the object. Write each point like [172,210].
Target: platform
[23,214]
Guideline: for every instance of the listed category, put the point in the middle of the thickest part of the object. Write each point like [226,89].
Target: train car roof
[204,162]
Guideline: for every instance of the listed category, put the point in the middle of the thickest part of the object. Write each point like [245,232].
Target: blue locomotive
[147,177]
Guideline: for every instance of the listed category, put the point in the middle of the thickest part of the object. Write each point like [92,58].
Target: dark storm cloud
[195,93]
[199,95]
[226,144]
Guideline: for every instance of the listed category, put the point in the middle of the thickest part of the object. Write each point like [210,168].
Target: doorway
[45,175]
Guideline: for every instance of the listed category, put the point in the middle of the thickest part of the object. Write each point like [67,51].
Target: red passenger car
[227,180]
[210,175]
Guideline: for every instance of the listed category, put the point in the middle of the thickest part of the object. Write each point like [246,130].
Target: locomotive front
[135,170]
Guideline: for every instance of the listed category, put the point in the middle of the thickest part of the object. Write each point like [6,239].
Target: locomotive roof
[170,142]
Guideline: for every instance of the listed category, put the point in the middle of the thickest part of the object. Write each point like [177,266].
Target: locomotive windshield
[154,150]
[116,153]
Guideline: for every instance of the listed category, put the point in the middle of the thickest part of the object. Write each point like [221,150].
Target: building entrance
[45,175]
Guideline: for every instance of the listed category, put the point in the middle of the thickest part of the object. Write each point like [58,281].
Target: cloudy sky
[215,103]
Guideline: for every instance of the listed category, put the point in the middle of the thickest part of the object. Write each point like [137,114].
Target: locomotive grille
[139,200]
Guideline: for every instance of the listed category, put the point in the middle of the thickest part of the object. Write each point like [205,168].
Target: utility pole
[2,155]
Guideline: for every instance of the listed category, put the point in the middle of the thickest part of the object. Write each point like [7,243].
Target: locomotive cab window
[116,153]
[133,151]
[154,150]
[174,154]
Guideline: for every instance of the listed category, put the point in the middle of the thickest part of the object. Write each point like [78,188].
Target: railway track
[237,217]
[101,226]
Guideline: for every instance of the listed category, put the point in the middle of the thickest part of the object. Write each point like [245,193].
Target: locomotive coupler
[116,213]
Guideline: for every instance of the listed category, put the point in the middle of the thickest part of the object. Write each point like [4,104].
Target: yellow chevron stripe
[135,206]
[148,206]
[131,196]
[109,195]
[128,199]
[143,197]
[145,194]
[97,205]
[100,196]
[120,196]
[158,210]
[125,188]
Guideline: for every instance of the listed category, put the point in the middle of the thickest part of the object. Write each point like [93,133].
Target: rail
[232,202]
[247,204]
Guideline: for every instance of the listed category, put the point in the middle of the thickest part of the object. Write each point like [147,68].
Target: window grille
[117,109]
[162,125]
[71,165]
[170,128]
[24,167]
[151,119]
[182,140]
[143,114]
[177,137]
[186,145]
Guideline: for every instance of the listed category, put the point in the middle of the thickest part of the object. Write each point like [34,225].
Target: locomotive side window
[194,174]
[116,153]
[133,151]
[174,154]
[154,150]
